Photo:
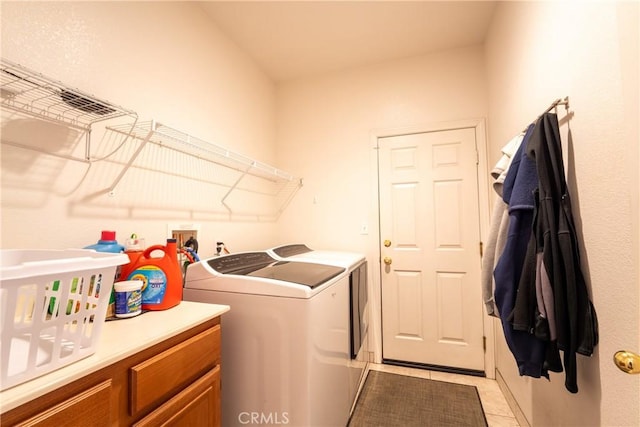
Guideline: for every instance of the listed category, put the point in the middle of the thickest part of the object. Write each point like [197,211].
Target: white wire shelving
[153,132]
[182,142]
[28,92]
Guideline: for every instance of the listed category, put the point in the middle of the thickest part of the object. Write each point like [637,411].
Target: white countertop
[119,339]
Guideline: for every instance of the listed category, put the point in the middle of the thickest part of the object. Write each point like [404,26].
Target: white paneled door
[430,249]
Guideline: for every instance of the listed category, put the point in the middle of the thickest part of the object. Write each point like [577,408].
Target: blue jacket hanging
[519,185]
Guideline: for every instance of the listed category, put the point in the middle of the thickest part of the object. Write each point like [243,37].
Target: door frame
[375,332]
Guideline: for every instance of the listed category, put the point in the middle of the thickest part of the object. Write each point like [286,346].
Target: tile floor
[494,404]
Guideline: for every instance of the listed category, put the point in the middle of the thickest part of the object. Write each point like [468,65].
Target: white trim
[484,207]
[179,226]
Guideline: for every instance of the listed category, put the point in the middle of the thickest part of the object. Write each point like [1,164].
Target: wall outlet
[364,228]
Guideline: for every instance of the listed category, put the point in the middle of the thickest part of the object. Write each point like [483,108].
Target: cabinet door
[196,405]
[89,408]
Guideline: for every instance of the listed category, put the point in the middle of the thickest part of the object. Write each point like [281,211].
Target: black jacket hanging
[575,317]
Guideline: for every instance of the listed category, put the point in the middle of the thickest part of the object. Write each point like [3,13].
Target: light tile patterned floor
[494,404]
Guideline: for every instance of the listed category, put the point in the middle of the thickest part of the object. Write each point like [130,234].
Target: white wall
[537,52]
[325,128]
[166,61]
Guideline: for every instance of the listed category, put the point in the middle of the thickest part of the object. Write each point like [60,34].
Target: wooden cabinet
[175,382]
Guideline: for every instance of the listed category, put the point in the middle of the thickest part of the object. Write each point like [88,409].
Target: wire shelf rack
[29,92]
[166,136]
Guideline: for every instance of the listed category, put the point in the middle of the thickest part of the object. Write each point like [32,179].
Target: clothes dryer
[285,341]
[356,266]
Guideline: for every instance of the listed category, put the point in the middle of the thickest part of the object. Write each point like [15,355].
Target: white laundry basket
[53,304]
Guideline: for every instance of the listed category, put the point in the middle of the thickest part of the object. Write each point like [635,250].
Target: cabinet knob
[387,260]
[387,243]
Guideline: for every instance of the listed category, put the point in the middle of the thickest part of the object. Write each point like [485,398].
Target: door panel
[431,296]
[409,308]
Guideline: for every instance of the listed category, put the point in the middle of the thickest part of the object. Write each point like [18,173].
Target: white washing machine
[356,266]
[285,341]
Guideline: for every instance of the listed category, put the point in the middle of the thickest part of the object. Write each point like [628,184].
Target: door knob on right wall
[627,361]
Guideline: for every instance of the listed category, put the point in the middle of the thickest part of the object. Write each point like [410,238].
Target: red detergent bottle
[161,277]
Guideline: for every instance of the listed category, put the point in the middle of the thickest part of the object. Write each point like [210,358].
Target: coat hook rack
[560,101]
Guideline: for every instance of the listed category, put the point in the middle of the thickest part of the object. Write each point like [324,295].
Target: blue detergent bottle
[107,243]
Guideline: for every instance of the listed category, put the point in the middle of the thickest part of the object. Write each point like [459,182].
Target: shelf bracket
[233,187]
[131,160]
[126,167]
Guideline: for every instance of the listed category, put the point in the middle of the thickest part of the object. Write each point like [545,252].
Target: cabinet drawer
[91,407]
[157,379]
[196,405]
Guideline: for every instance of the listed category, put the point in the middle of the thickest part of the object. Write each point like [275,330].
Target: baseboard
[511,401]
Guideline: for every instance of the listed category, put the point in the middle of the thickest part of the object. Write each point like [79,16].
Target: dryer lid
[287,251]
[262,265]
[303,273]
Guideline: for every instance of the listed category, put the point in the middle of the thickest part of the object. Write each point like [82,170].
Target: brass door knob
[387,260]
[387,243]
[627,362]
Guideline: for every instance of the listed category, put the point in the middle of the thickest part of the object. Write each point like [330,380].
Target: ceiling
[293,39]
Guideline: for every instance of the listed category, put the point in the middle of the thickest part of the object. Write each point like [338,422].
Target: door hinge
[484,344]
[481,252]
